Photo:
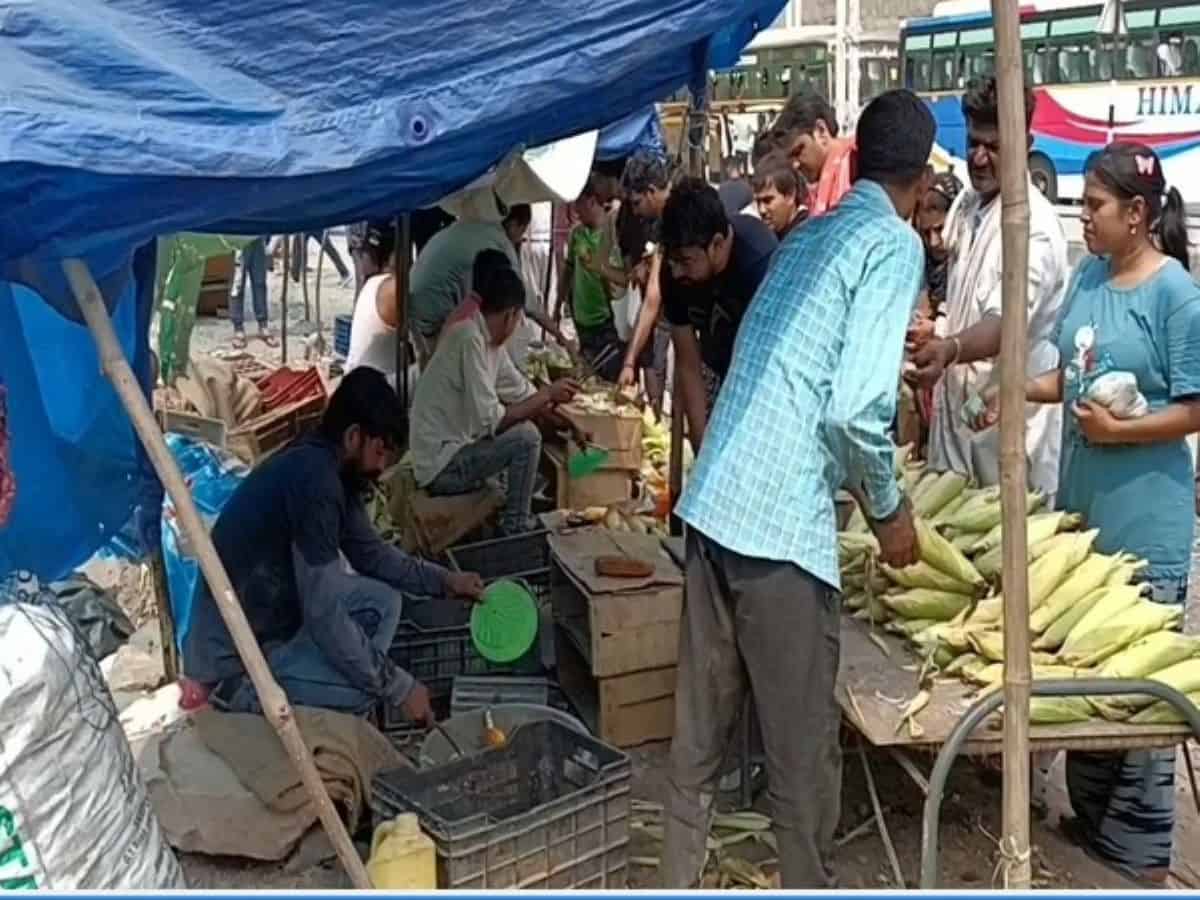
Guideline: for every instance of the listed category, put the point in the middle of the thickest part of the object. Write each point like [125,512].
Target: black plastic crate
[548,811]
[524,556]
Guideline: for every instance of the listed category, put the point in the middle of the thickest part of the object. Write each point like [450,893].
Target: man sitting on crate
[324,628]
[473,411]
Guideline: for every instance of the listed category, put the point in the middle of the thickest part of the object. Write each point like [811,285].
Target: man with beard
[324,627]
[713,264]
[960,365]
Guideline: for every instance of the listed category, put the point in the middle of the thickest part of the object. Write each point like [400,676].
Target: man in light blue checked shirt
[806,408]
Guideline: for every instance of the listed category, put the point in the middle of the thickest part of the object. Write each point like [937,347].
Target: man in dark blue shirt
[325,627]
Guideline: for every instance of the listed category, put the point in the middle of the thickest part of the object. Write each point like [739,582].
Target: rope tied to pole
[1011,858]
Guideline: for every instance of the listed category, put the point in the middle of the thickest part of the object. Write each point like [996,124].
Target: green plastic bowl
[504,624]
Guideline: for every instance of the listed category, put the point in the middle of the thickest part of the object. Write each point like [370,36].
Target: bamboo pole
[402,268]
[1014,197]
[274,702]
[283,299]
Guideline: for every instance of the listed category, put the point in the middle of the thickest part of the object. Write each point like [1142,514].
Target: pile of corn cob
[1086,617]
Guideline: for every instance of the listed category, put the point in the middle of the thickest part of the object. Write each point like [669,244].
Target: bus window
[1074,64]
[942,70]
[1141,56]
[1191,56]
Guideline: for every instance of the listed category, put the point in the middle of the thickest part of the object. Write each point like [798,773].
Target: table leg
[878,809]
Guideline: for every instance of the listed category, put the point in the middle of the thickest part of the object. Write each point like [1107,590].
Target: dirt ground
[970,813]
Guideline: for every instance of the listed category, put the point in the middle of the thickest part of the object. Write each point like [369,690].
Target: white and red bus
[1090,89]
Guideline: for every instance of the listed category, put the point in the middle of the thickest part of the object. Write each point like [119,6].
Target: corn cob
[923,603]
[1088,647]
[1162,712]
[1059,710]
[1049,572]
[966,664]
[854,601]
[948,486]
[944,634]
[1053,637]
[939,553]
[1183,676]
[1124,572]
[1152,653]
[988,643]
[950,508]
[1041,548]
[927,480]
[1087,577]
[922,575]
[1038,527]
[961,541]
[906,627]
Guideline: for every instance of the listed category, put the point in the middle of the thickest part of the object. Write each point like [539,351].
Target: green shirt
[590,293]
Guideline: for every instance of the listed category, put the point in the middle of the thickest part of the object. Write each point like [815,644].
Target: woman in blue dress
[1131,307]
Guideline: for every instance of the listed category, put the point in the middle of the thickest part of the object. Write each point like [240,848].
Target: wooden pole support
[274,702]
[1014,224]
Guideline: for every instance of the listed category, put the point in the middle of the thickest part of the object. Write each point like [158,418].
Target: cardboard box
[608,430]
[621,625]
[601,488]
[624,460]
[625,710]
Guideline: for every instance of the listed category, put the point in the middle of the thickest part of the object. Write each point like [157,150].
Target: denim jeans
[513,452]
[254,268]
[300,255]
[306,676]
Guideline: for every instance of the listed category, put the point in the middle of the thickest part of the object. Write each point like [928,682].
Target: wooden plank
[881,687]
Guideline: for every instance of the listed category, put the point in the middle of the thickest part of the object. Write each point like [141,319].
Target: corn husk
[1184,676]
[977,500]
[944,634]
[943,556]
[1059,710]
[1048,573]
[877,610]
[988,643]
[1124,573]
[911,477]
[965,665]
[855,601]
[961,541]
[1108,601]
[1150,654]
[922,575]
[1163,713]
[908,627]
[993,673]
[948,486]
[927,480]
[1039,528]
[1086,647]
[923,603]
[1053,637]
[1041,548]
[951,508]
[1087,577]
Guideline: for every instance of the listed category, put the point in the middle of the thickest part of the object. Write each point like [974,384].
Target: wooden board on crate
[602,488]
[624,710]
[262,436]
[215,285]
[624,625]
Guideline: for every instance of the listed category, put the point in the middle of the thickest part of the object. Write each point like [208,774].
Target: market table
[874,687]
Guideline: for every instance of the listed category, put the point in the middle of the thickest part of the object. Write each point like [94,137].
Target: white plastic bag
[1118,392]
[74,813]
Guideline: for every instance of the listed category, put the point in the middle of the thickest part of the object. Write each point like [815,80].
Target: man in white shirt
[473,409]
[960,363]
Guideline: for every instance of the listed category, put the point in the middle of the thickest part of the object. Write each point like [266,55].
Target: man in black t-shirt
[714,264]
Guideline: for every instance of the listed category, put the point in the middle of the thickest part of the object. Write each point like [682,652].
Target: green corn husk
[948,486]
[1059,710]
[855,601]
[943,556]
[945,634]
[1038,527]
[911,478]
[977,499]
[942,657]
[1088,576]
[1162,713]
[1111,600]
[923,603]
[1123,574]
[1184,676]
[1041,548]
[987,612]
[962,541]
[1153,653]
[965,664]
[927,480]
[1089,647]
[906,628]
[1048,573]
[877,610]
[922,575]
[993,673]
[1053,637]
[988,643]
[951,508]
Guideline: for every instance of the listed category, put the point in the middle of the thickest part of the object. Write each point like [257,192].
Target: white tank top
[372,340]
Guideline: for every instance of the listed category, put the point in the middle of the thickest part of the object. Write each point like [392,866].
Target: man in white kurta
[961,362]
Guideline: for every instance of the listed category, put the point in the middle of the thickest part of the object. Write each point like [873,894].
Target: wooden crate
[625,710]
[609,430]
[601,488]
[626,460]
[260,437]
[618,632]
[215,285]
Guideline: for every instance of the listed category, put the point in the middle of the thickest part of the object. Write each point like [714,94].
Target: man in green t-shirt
[586,292]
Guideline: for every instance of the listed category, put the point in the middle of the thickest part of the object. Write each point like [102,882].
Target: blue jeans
[515,453]
[254,268]
[302,670]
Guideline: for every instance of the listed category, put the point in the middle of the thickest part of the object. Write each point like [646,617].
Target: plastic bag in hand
[1118,391]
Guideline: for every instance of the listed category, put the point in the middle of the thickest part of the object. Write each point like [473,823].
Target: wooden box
[620,625]
[601,488]
[625,710]
[608,430]
[626,460]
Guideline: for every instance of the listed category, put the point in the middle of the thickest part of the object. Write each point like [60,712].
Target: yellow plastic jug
[403,858]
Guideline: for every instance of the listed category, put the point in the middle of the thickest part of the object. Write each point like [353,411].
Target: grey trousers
[773,628]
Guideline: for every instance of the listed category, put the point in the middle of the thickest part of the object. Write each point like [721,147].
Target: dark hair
[645,172]
[520,213]
[379,241]
[364,398]
[1131,170]
[945,186]
[981,103]
[503,291]
[894,137]
[781,176]
[801,114]
[633,233]
[487,263]
[693,215]
[764,145]
[609,168]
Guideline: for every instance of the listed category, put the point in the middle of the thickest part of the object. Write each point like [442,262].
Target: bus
[780,62]
[1089,89]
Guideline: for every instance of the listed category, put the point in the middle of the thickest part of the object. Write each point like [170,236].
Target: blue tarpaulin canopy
[123,120]
[638,131]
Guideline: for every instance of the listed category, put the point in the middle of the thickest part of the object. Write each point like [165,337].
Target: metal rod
[283,299]
[1014,230]
[1077,687]
[274,702]
[884,834]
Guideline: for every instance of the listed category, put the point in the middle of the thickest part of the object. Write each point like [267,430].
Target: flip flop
[269,339]
[239,341]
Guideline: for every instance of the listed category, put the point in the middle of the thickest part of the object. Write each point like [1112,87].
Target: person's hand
[897,538]
[416,705]
[563,390]
[628,377]
[920,333]
[464,584]
[1098,424]
[931,361]
[990,414]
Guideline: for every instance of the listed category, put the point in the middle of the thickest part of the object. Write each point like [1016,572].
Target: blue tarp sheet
[123,120]
[638,131]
